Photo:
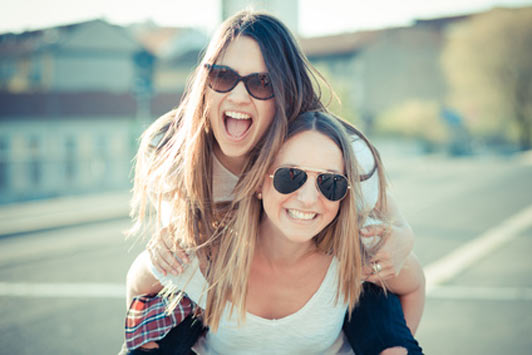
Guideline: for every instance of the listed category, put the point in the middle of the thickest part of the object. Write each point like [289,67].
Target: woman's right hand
[164,255]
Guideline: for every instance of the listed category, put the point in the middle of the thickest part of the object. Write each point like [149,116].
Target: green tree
[488,64]
[415,119]
[338,98]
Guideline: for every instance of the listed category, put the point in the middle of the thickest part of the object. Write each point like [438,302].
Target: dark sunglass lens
[260,86]
[287,180]
[222,79]
[332,186]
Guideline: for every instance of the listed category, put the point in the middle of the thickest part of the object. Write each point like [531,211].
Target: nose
[239,94]
[308,193]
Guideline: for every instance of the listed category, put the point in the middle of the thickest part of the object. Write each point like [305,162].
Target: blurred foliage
[414,119]
[337,97]
[488,64]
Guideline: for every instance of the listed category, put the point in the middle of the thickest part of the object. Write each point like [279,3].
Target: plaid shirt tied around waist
[147,319]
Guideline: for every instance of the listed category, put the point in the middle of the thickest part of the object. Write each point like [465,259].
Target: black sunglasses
[332,186]
[224,79]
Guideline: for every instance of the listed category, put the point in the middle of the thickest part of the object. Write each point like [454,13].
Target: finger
[385,273]
[387,269]
[159,260]
[377,275]
[382,256]
[182,255]
[155,263]
[372,230]
[166,245]
[177,250]
[365,274]
[153,258]
[169,260]
[375,279]
[385,260]
[380,277]
[165,239]
[384,263]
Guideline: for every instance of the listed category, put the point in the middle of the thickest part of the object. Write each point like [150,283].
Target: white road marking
[482,293]
[117,291]
[460,259]
[436,273]
[58,290]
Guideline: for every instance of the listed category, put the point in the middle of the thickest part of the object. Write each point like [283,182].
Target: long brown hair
[174,160]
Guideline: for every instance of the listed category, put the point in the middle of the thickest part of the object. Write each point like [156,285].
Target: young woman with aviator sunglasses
[190,159]
[296,252]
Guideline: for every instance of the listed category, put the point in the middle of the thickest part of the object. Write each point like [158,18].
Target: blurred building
[177,52]
[383,68]
[286,10]
[93,55]
[73,100]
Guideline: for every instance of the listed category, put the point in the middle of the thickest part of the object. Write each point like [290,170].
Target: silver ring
[376,268]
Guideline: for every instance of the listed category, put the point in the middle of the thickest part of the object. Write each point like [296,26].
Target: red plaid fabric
[147,319]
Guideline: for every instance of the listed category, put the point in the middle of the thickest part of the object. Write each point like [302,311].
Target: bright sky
[317,17]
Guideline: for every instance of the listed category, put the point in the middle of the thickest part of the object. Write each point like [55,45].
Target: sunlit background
[443,88]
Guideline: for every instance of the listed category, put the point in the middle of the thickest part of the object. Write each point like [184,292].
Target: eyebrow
[236,71]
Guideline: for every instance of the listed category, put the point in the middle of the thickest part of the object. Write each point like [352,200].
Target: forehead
[243,54]
[311,149]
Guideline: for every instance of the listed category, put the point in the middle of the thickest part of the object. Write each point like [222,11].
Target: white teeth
[300,214]
[238,115]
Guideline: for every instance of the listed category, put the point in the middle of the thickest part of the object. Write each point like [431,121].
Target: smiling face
[302,214]
[239,120]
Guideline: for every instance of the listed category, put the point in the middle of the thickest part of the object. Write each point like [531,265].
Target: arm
[399,244]
[143,277]
[140,280]
[409,285]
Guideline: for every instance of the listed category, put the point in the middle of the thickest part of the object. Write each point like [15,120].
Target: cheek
[212,100]
[267,112]
[332,211]
[271,200]
[211,104]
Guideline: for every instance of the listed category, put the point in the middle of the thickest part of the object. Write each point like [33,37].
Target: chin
[299,237]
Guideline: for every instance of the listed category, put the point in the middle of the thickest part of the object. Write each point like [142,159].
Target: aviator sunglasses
[332,186]
[224,79]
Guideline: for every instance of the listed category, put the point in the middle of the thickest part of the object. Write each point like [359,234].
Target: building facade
[69,109]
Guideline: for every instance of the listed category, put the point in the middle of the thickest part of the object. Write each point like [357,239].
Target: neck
[278,249]
[233,164]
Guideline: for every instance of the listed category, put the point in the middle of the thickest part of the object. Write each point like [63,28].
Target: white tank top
[316,328]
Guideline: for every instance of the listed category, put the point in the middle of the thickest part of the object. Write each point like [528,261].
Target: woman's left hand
[386,264]
[381,268]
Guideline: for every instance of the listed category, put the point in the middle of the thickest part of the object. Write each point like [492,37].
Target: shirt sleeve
[191,280]
[366,162]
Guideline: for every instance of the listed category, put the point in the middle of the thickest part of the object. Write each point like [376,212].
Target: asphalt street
[61,289]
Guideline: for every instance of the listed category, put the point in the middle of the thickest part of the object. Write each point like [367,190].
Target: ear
[258,192]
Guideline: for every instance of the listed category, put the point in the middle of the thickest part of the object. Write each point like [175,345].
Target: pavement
[472,217]
[33,216]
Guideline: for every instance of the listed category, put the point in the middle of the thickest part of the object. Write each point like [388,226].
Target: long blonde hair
[228,269]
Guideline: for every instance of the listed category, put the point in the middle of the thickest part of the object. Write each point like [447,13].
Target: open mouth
[237,124]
